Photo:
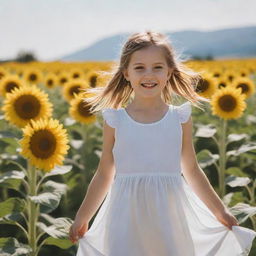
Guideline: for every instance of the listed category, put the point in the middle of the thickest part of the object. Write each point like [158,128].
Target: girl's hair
[116,93]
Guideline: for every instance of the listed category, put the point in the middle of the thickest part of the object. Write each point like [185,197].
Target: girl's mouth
[148,86]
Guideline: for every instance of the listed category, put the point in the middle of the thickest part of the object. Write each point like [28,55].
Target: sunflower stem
[222,162]
[32,210]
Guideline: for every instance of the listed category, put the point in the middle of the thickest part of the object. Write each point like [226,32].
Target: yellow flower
[206,86]
[50,80]
[8,83]
[32,76]
[44,143]
[246,84]
[26,103]
[73,87]
[228,103]
[80,111]
[63,78]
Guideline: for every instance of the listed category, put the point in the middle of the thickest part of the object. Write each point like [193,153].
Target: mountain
[224,43]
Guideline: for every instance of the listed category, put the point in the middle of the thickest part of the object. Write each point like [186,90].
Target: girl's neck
[147,104]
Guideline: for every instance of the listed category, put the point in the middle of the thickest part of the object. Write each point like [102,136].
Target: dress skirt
[158,214]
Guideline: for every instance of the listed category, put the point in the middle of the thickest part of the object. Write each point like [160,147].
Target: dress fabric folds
[150,210]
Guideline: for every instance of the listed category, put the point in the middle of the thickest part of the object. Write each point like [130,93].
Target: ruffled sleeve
[184,111]
[110,116]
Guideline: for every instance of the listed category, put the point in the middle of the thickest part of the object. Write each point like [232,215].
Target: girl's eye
[142,67]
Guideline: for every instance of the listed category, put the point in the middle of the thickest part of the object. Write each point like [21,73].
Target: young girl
[159,201]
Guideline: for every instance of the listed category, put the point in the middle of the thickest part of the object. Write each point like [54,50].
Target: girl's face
[148,72]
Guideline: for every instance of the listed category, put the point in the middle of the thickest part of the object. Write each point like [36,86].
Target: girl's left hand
[227,219]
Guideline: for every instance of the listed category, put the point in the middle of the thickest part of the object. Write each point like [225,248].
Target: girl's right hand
[77,230]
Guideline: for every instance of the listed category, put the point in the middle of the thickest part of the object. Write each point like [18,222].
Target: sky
[52,29]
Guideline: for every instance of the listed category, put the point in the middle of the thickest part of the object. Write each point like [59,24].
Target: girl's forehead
[149,54]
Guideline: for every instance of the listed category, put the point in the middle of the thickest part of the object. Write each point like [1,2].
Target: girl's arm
[195,176]
[101,181]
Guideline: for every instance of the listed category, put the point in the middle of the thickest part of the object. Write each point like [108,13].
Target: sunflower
[228,103]
[73,87]
[229,75]
[223,83]
[44,143]
[206,86]
[246,84]
[8,83]
[63,78]
[26,103]
[50,80]
[3,72]
[77,73]
[80,111]
[92,78]
[32,76]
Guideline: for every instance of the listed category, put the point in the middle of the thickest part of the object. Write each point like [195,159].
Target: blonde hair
[117,91]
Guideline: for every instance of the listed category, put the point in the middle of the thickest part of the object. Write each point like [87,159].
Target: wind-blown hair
[117,92]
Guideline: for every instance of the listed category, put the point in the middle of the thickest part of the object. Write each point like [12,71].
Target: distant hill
[224,43]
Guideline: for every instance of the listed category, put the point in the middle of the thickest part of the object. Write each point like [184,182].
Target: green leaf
[76,144]
[50,198]
[244,148]
[205,131]
[206,158]
[61,243]
[234,181]
[242,211]
[11,205]
[10,246]
[55,187]
[12,175]
[48,201]
[59,170]
[236,172]
[236,137]
[59,230]
[11,218]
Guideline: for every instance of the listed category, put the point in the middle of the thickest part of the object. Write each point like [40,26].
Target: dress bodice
[147,147]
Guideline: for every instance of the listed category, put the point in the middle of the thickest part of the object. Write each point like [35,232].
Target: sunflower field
[50,146]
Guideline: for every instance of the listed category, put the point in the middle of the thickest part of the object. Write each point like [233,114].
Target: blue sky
[54,28]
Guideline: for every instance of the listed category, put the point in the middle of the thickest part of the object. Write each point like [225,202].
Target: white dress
[150,210]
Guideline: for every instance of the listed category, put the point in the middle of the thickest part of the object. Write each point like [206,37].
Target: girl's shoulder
[111,116]
[183,111]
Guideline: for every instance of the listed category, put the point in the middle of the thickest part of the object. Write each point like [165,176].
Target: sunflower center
[203,85]
[244,87]
[50,82]
[27,106]
[32,77]
[83,109]
[216,74]
[93,81]
[43,144]
[75,89]
[76,75]
[63,80]
[10,86]
[227,103]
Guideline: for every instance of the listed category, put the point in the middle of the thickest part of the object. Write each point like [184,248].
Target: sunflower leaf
[236,137]
[59,170]
[242,211]
[11,205]
[205,131]
[59,229]
[206,158]
[61,243]
[242,149]
[234,181]
[12,175]
[10,246]
[48,201]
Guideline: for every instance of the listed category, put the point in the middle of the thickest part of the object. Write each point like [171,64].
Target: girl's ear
[170,70]
[125,74]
